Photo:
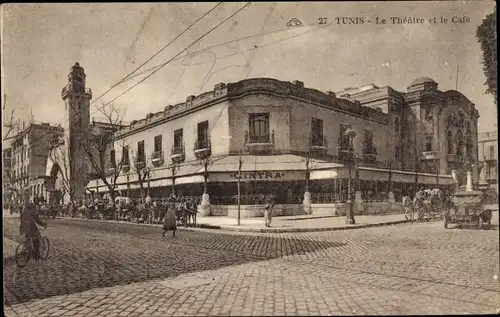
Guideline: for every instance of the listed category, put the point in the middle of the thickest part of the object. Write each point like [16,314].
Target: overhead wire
[163,65]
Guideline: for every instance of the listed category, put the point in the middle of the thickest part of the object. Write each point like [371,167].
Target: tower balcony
[178,154]
[318,145]
[157,158]
[430,155]
[259,144]
[202,149]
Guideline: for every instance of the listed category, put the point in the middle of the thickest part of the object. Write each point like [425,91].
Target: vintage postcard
[250,158]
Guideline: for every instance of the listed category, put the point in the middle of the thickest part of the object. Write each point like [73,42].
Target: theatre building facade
[283,140]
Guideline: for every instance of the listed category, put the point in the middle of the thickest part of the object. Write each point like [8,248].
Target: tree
[141,169]
[8,122]
[99,144]
[487,38]
[70,174]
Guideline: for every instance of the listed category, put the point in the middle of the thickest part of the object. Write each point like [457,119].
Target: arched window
[469,145]
[460,143]
[449,139]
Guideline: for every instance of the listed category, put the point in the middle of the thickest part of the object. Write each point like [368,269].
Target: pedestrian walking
[408,207]
[169,218]
[268,213]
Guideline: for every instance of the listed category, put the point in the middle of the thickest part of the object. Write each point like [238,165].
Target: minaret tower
[77,114]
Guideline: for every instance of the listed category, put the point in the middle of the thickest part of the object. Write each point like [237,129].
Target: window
[460,143]
[317,132]
[368,142]
[203,132]
[396,124]
[428,142]
[469,145]
[125,156]
[259,128]
[397,153]
[140,152]
[492,151]
[157,141]
[449,139]
[112,158]
[428,113]
[343,139]
[178,136]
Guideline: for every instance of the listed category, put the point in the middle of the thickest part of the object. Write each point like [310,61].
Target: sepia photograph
[250,158]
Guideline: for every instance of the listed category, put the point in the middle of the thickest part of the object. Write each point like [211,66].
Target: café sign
[259,175]
[256,176]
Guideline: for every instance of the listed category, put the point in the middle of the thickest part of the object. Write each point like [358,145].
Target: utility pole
[456,82]
[240,163]
[416,162]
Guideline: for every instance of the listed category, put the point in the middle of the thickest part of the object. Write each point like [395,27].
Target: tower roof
[423,80]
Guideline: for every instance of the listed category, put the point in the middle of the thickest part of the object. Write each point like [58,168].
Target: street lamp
[351,162]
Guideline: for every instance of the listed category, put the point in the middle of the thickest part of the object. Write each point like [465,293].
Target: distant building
[29,150]
[488,153]
[404,140]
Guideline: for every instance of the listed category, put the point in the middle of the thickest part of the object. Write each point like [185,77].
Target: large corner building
[289,137]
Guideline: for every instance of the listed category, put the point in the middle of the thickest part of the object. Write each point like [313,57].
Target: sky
[40,42]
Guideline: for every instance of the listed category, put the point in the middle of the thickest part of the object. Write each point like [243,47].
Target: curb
[259,230]
[285,230]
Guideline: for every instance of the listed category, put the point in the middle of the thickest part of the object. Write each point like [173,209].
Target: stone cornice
[223,92]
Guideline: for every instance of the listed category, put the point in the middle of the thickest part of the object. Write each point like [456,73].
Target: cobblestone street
[109,269]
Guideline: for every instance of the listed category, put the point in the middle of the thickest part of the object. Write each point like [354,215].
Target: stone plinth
[465,199]
[307,203]
[358,203]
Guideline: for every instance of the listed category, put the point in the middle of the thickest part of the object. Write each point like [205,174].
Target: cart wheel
[480,223]
[445,221]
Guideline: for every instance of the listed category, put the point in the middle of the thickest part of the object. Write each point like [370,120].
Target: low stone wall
[340,209]
[377,208]
[254,211]
[337,209]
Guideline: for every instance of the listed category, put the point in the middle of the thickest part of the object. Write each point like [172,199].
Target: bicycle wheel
[22,254]
[44,247]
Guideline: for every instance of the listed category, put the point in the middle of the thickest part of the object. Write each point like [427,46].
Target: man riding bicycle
[29,220]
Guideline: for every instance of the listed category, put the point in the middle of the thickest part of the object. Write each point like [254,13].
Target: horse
[125,208]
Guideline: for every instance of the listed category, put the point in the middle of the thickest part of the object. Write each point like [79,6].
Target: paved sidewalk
[305,223]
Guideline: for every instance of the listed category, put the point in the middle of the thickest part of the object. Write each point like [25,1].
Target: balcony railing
[259,144]
[202,149]
[140,162]
[178,153]
[179,149]
[157,158]
[430,155]
[259,139]
[489,157]
[370,153]
[317,142]
[201,144]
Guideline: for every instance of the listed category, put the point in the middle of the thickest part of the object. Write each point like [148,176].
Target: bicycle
[26,249]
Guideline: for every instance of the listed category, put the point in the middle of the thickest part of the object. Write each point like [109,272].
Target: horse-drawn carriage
[428,204]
